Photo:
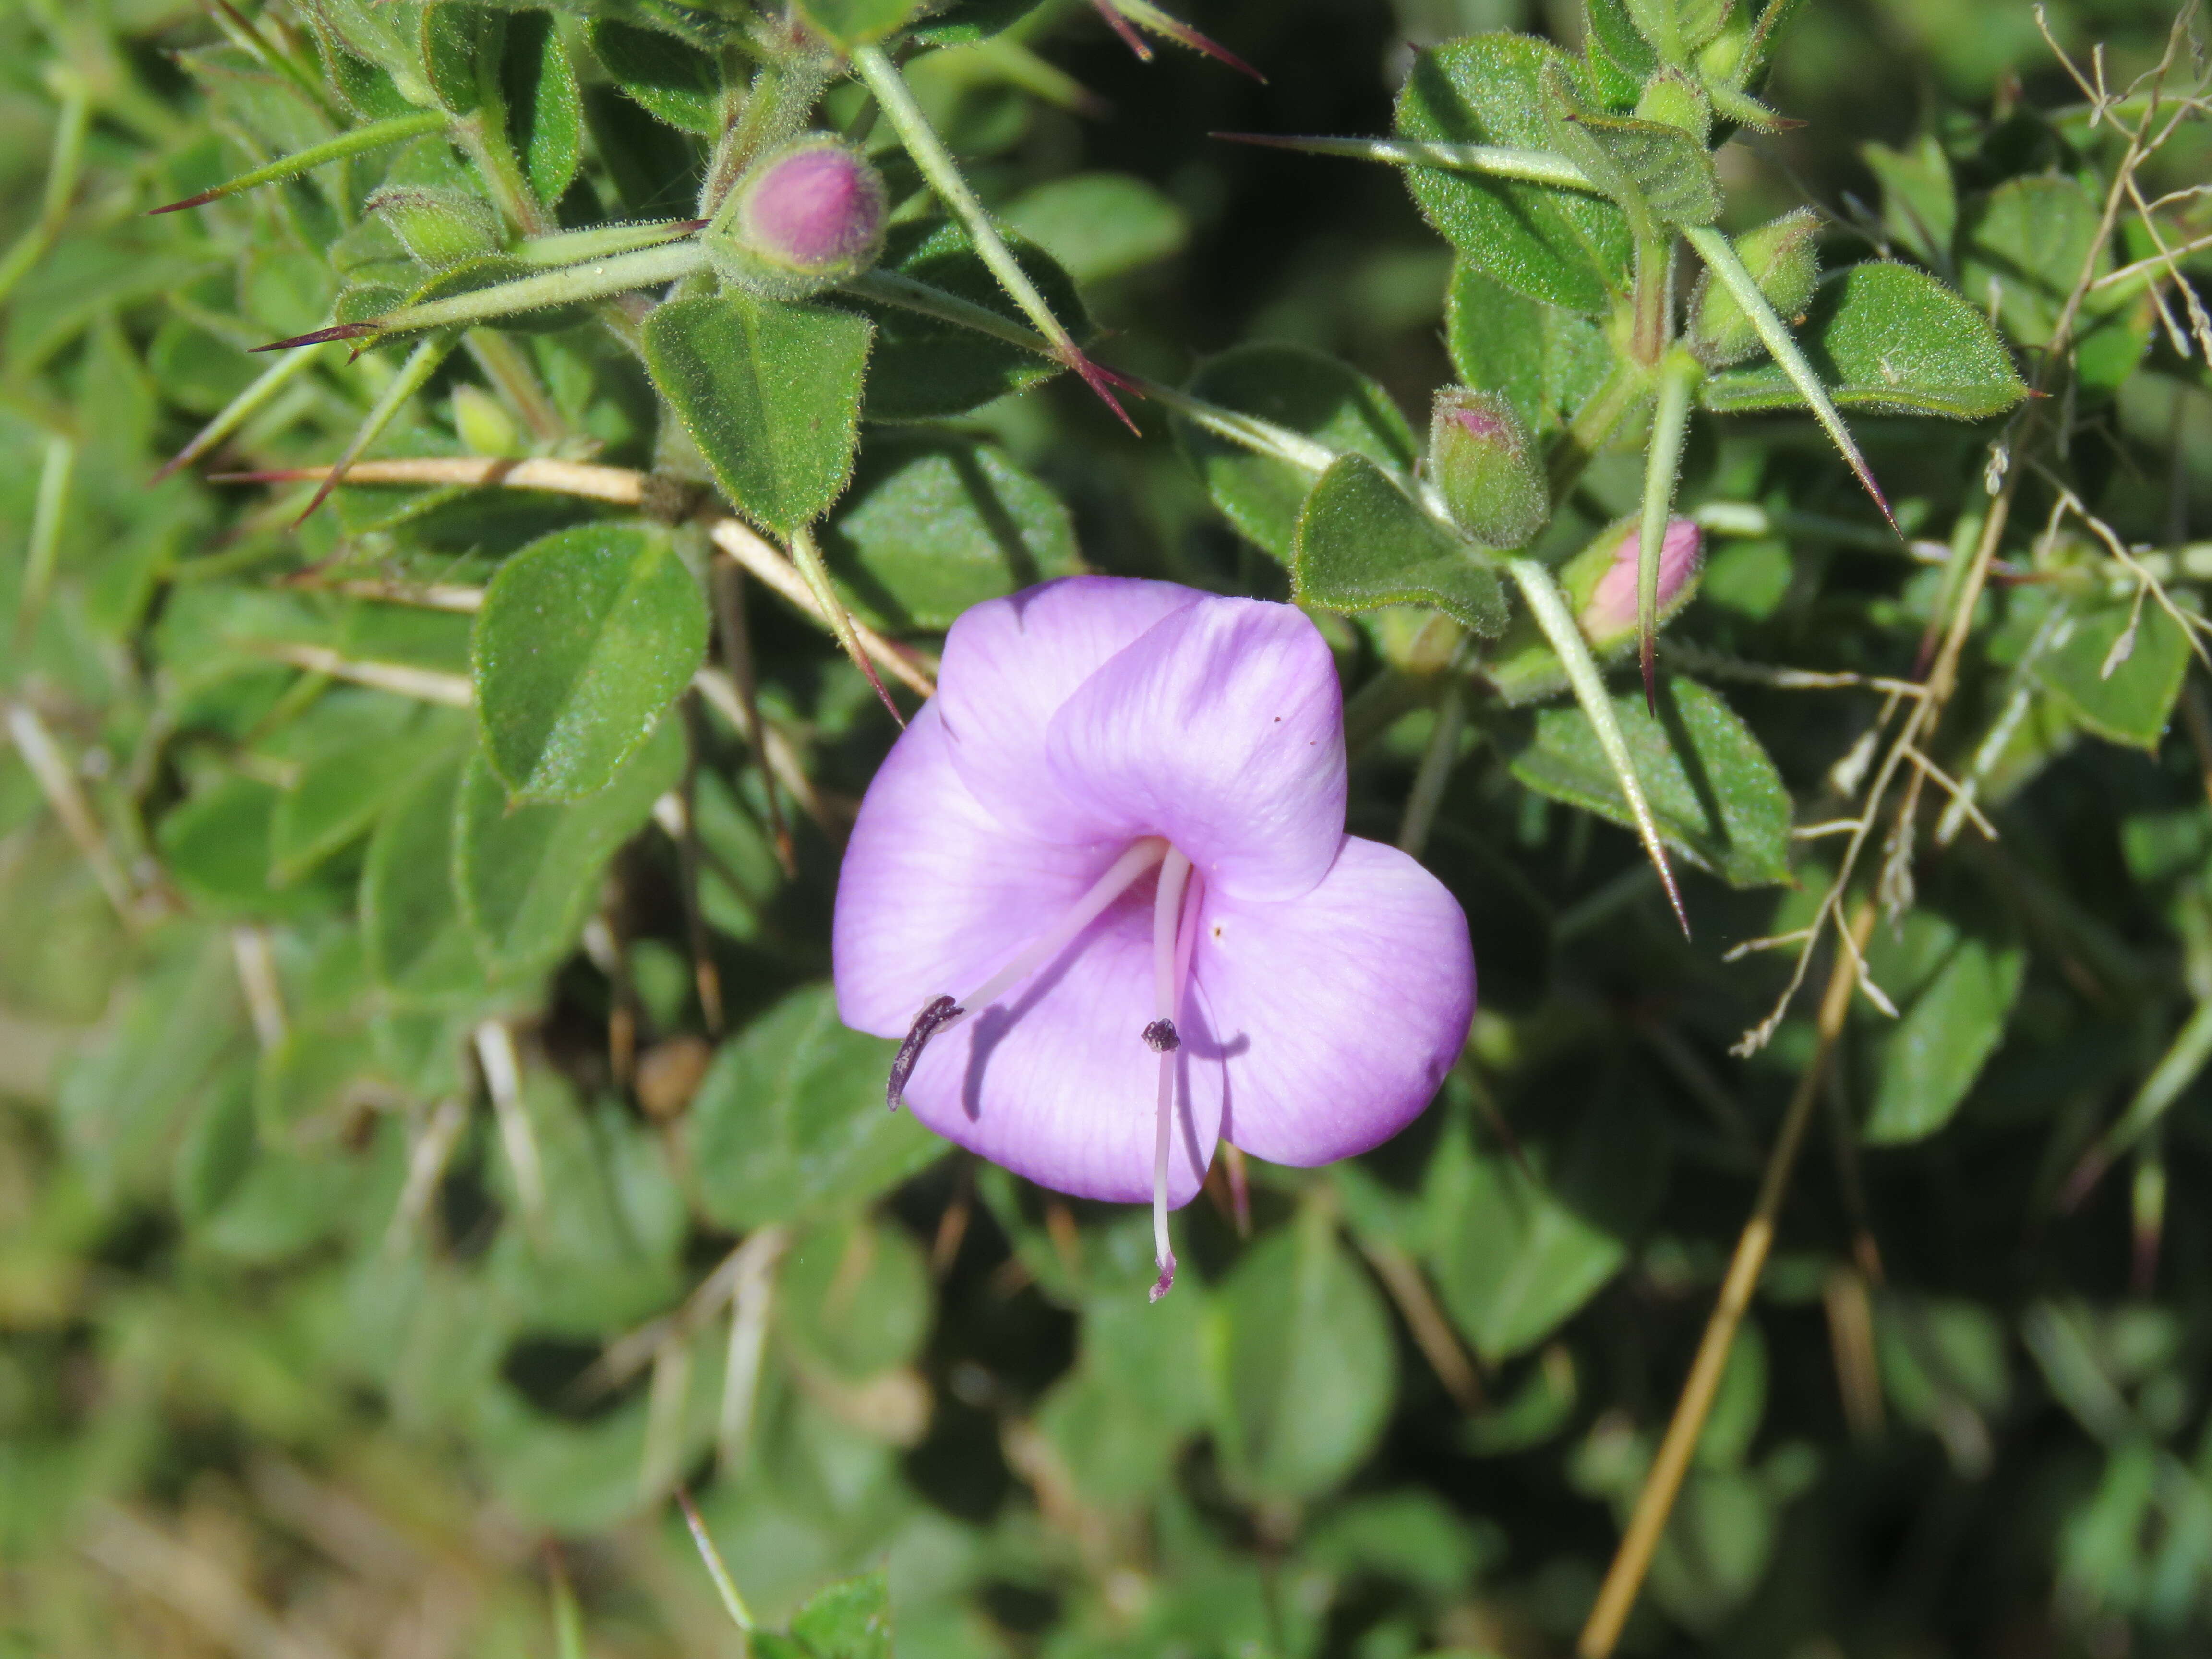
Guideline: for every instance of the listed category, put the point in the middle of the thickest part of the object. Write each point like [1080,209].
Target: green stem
[897,100]
[1533,167]
[646,268]
[575,248]
[54,475]
[507,367]
[1594,425]
[1550,611]
[808,557]
[1654,281]
[421,363]
[240,408]
[377,135]
[64,163]
[1721,258]
[1679,376]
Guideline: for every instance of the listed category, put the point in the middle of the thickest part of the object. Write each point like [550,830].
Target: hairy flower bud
[1783,259]
[1601,580]
[1480,461]
[1674,100]
[805,217]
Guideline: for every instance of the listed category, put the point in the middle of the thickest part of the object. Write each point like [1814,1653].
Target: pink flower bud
[807,216]
[1608,615]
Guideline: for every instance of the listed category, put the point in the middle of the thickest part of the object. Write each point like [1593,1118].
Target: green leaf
[790,1118]
[1520,1245]
[677,83]
[342,789]
[1620,59]
[930,528]
[2021,250]
[1098,225]
[848,23]
[771,395]
[218,1147]
[1919,202]
[1932,1057]
[1306,1366]
[850,1619]
[1363,542]
[1715,794]
[1137,1395]
[1306,392]
[216,848]
[121,1098]
[964,22]
[545,111]
[853,1298]
[460,48]
[1677,29]
[1658,174]
[1546,362]
[1559,247]
[417,941]
[604,1254]
[924,368]
[2132,702]
[1888,337]
[584,641]
[528,875]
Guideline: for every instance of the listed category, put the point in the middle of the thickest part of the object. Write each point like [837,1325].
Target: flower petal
[1055,1081]
[1337,1014]
[936,895]
[1222,730]
[1010,663]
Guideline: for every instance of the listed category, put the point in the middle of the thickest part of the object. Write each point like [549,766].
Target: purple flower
[1102,887]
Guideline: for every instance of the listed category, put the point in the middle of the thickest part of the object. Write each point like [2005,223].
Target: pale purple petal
[1338,1014]
[1222,730]
[1056,1083]
[1054,1080]
[1009,664]
[935,894]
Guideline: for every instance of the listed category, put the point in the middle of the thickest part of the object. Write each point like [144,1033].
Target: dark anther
[1160,1037]
[940,1013]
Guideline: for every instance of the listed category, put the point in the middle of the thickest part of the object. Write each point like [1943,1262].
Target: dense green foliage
[426,1138]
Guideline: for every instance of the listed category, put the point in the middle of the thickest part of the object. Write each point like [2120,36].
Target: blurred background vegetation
[345,1316]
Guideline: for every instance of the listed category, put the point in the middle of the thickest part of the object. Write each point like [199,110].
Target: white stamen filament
[1170,959]
[1142,855]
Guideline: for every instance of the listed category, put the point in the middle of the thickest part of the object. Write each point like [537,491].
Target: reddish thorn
[336,332]
[1095,377]
[200,200]
[337,477]
[1122,26]
[876,680]
[1114,377]
[1183,35]
[2033,392]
